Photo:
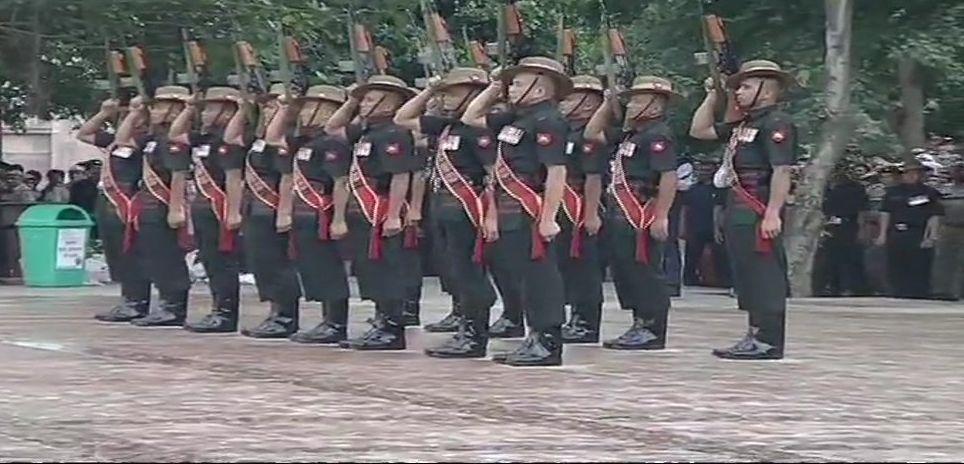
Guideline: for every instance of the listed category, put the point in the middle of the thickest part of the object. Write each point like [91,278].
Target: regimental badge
[258,146]
[569,147]
[544,139]
[393,149]
[658,147]
[201,151]
[124,152]
[304,154]
[484,141]
[778,136]
[587,148]
[223,150]
[918,200]
[331,155]
[450,143]
[511,135]
[283,151]
[627,149]
[150,146]
[363,149]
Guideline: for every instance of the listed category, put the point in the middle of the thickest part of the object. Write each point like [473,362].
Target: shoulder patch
[331,155]
[393,149]
[544,139]
[778,136]
[658,146]
[223,149]
[484,141]
[587,148]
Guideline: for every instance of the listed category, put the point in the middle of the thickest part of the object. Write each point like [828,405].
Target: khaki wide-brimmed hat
[223,94]
[585,83]
[464,76]
[172,93]
[326,92]
[544,67]
[277,89]
[652,84]
[761,68]
[383,82]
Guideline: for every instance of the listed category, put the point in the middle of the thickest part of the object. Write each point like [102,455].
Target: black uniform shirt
[269,162]
[469,149]
[768,139]
[531,138]
[911,204]
[217,157]
[383,149]
[646,152]
[843,203]
[124,164]
[155,150]
[321,159]
[582,156]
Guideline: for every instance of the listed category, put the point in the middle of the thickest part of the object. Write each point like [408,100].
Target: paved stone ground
[865,379]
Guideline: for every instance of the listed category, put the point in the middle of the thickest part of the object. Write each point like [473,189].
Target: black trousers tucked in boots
[221,267]
[159,254]
[124,267]
[582,276]
[642,286]
[267,254]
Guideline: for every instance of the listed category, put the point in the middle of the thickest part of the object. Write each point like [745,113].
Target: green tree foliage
[663,36]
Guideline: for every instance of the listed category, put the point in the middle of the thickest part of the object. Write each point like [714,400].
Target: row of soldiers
[525,168]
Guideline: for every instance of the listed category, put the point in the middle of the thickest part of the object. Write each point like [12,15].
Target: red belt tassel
[642,246]
[410,241]
[226,240]
[763,245]
[375,243]
[538,244]
[575,245]
[324,226]
[130,228]
[185,239]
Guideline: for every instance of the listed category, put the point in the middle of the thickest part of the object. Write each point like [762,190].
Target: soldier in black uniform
[909,224]
[267,211]
[119,179]
[465,157]
[159,209]
[531,172]
[321,193]
[843,206]
[643,189]
[756,168]
[380,175]
[578,243]
[217,154]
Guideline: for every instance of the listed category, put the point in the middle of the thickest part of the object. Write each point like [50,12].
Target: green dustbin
[53,245]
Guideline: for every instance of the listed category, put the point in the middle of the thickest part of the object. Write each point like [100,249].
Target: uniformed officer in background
[756,167]
[910,224]
[217,153]
[643,188]
[578,243]
[118,184]
[383,160]
[530,171]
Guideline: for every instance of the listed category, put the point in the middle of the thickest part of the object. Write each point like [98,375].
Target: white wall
[46,145]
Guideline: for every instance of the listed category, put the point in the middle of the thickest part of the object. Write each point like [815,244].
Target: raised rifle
[137,68]
[721,58]
[566,46]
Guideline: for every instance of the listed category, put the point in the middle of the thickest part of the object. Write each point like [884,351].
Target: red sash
[317,201]
[462,190]
[159,190]
[123,204]
[573,205]
[219,204]
[258,187]
[763,245]
[530,200]
[639,215]
[374,207]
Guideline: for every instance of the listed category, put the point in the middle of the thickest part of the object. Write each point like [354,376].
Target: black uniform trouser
[469,280]
[439,249]
[384,280]
[908,265]
[160,255]
[582,276]
[642,285]
[759,278]
[319,262]
[222,268]
[539,280]
[695,247]
[267,254]
[124,267]
[671,255]
[844,260]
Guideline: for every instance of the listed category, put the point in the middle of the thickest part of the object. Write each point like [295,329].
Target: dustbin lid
[54,215]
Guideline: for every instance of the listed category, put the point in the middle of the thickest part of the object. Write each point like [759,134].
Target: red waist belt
[763,245]
[462,189]
[530,200]
[159,190]
[219,204]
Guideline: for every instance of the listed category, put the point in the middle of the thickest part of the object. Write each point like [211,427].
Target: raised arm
[339,121]
[702,127]
[180,132]
[408,115]
[88,131]
[476,112]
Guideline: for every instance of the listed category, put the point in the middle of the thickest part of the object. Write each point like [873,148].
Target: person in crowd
[56,190]
[844,205]
[948,282]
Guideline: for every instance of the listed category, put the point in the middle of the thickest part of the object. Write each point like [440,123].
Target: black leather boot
[223,318]
[540,348]
[641,336]
[411,314]
[580,330]
[281,323]
[503,327]
[170,312]
[332,330]
[127,311]
[470,341]
[740,345]
[449,323]
[386,333]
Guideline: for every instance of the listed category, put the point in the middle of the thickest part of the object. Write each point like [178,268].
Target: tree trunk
[807,221]
[37,102]
[911,102]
